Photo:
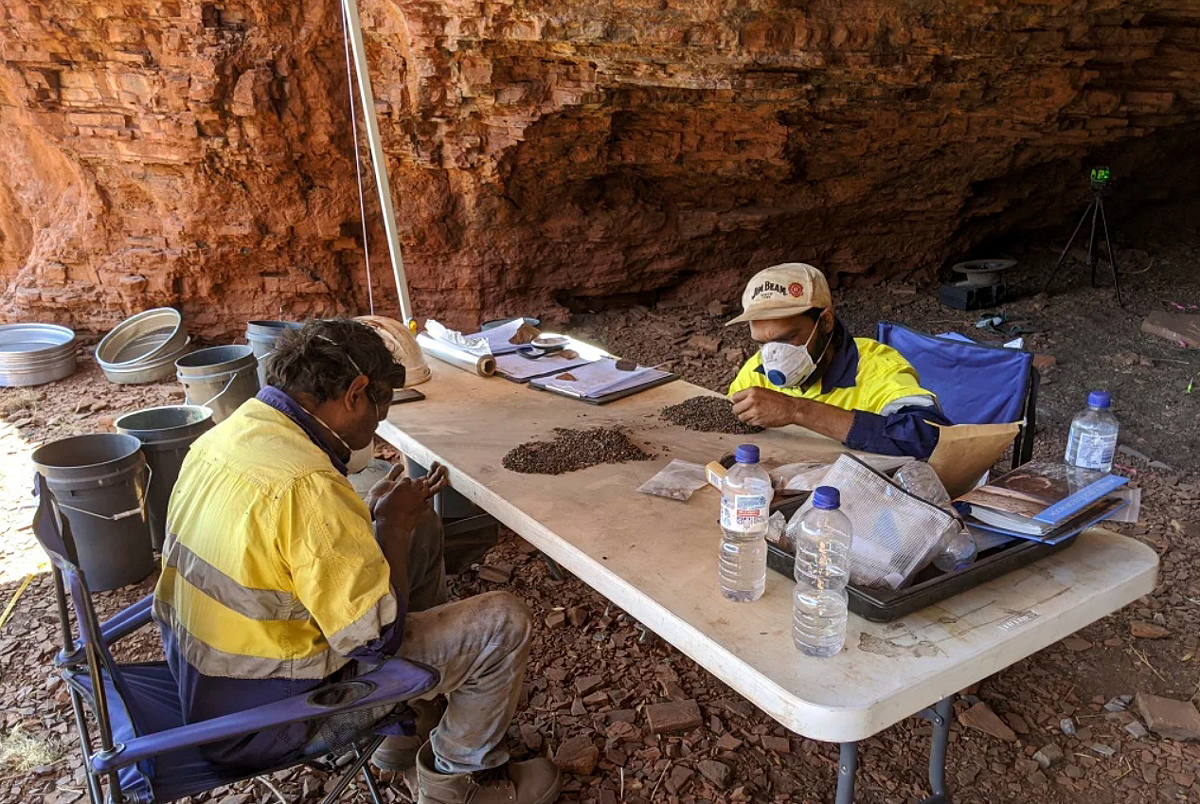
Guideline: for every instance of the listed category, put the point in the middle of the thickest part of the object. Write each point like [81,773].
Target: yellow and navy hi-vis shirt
[893,414]
[272,579]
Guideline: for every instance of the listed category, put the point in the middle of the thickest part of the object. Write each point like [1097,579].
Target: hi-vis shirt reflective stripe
[270,567]
[883,377]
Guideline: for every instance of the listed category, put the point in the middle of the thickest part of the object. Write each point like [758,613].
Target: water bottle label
[744,512]
[1096,451]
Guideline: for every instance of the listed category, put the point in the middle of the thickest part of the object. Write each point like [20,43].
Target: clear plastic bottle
[745,506]
[1092,440]
[823,536]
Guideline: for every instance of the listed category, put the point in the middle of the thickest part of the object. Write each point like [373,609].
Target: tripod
[1096,210]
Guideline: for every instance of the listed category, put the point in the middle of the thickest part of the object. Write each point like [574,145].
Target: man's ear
[825,322]
[356,389]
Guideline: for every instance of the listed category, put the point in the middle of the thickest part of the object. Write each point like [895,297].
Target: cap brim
[767,314]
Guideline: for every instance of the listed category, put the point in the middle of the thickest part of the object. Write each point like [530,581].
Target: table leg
[939,715]
[847,764]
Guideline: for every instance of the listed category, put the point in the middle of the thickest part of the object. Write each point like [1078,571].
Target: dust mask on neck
[333,432]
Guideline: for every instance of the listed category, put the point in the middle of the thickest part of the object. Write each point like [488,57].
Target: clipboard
[533,369]
[604,399]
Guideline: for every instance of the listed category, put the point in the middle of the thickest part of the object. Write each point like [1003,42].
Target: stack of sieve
[144,347]
[34,354]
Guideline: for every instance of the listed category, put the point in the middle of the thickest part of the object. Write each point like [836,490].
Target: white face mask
[787,365]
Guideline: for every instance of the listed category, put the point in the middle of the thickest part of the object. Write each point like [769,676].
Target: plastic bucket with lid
[262,335]
[219,377]
[166,434]
[99,482]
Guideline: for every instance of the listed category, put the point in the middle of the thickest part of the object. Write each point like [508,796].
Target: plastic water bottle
[822,570]
[1093,436]
[957,553]
[745,506]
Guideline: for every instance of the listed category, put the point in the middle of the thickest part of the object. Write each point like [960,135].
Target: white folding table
[657,559]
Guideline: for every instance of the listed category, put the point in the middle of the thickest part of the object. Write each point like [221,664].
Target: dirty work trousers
[480,645]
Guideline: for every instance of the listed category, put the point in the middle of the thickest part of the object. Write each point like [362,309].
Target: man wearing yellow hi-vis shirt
[811,372]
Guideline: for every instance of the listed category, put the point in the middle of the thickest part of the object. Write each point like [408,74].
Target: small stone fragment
[678,778]
[1103,750]
[716,772]
[1136,729]
[727,742]
[556,619]
[1076,644]
[672,716]
[1048,755]
[1067,725]
[1141,630]
[577,616]
[981,718]
[587,684]
[496,573]
[577,755]
[1116,705]
[780,745]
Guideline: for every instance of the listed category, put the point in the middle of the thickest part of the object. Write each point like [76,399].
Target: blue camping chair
[974,383]
[146,753]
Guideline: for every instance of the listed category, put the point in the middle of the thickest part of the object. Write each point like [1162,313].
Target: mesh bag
[895,533]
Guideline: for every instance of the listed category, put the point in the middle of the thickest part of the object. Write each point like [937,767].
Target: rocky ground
[1062,727]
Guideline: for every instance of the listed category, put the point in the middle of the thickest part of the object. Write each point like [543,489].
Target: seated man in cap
[811,372]
[278,579]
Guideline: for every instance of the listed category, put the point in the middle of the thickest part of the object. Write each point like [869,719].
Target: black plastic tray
[931,585]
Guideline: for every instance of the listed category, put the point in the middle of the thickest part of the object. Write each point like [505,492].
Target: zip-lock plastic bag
[678,480]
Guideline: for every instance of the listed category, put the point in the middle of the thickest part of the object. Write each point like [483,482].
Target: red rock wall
[199,153]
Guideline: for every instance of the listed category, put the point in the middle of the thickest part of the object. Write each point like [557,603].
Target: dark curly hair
[325,355]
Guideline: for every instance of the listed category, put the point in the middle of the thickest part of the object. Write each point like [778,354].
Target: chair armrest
[393,682]
[128,620]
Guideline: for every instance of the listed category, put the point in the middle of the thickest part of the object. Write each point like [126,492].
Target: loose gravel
[572,450]
[708,414]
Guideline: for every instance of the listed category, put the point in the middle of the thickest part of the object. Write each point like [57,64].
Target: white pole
[354,28]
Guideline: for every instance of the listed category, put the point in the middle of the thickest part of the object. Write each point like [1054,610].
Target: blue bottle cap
[747,453]
[776,377]
[1099,399]
[827,497]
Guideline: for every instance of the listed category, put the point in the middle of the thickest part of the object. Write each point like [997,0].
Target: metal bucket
[100,483]
[35,354]
[262,335]
[219,377]
[166,434]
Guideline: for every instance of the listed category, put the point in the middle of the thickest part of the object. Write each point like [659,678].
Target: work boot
[398,753]
[535,781]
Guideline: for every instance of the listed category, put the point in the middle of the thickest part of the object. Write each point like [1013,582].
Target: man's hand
[400,507]
[763,407]
[434,482]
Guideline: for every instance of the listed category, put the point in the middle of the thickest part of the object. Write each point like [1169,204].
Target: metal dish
[34,354]
[143,371]
[147,336]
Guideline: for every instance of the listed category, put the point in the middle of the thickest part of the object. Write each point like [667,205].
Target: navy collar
[303,419]
[843,367]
